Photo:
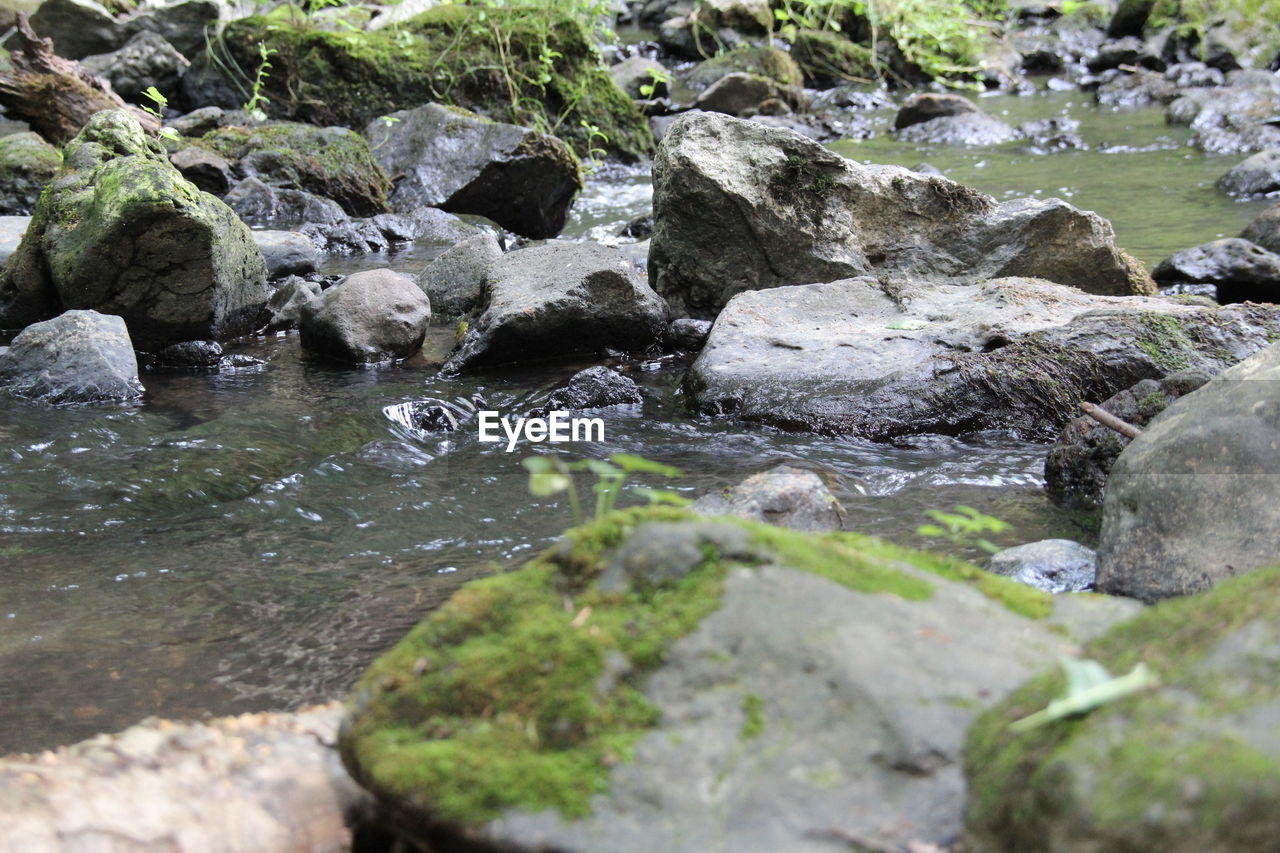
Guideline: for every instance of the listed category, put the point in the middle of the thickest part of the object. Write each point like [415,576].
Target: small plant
[1089,686]
[550,475]
[966,527]
[595,154]
[657,77]
[254,106]
[156,108]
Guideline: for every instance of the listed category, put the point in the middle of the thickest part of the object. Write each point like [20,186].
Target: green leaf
[930,530]
[603,469]
[639,465]
[1089,686]
[662,496]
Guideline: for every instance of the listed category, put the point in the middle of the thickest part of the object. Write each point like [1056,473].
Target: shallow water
[251,539]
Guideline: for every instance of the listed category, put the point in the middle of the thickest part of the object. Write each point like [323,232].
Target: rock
[880,360]
[783,495]
[454,281]
[1180,767]
[379,233]
[593,388]
[738,206]
[1136,90]
[331,162]
[183,24]
[1240,269]
[964,129]
[1192,500]
[264,206]
[145,60]
[1081,459]
[1192,75]
[1264,230]
[77,357]
[191,355]
[372,316]
[815,687]
[630,75]
[772,63]
[749,17]
[1053,134]
[79,28]
[199,122]
[347,237]
[209,172]
[688,334]
[286,253]
[286,303]
[1129,18]
[27,166]
[123,233]
[561,299]
[448,158]
[741,94]
[928,106]
[831,59]
[1130,51]
[280,788]
[639,228]
[1053,565]
[1258,175]
[11,230]
[1232,119]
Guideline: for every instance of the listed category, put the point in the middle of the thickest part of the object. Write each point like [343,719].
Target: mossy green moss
[1165,342]
[770,62]
[1168,769]
[513,65]
[752,717]
[829,58]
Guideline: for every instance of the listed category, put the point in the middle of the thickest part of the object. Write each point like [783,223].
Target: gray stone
[631,74]
[1053,565]
[1053,134]
[561,299]
[79,28]
[446,157]
[145,60]
[371,317]
[785,496]
[1233,119]
[208,171]
[200,121]
[686,334]
[454,281]
[1129,18]
[122,232]
[880,360]
[286,252]
[739,206]
[742,94]
[1137,89]
[1129,51]
[1241,270]
[191,355]
[286,303]
[927,106]
[1257,175]
[11,230]
[1264,230]
[77,357]
[593,388]
[184,24]
[973,128]
[273,207]
[27,166]
[1193,75]
[1195,498]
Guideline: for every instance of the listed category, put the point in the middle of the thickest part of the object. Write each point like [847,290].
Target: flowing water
[251,539]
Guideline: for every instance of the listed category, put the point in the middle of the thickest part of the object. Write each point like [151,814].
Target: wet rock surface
[77,357]
[786,496]
[1053,565]
[1241,270]
[371,317]
[454,280]
[27,165]
[593,388]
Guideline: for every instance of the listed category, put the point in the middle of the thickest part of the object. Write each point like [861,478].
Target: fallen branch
[56,96]
[1110,421]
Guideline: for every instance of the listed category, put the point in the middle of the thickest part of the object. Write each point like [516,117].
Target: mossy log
[55,96]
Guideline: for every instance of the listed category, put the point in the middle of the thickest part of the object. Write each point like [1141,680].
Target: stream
[250,540]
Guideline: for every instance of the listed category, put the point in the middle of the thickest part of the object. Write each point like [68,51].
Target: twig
[1110,421]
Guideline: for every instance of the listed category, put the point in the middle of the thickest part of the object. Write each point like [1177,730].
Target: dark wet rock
[266,206]
[371,317]
[639,228]
[146,60]
[184,24]
[1257,175]
[1265,229]
[593,388]
[928,106]
[963,129]
[347,237]
[122,232]
[331,162]
[785,496]
[27,165]
[803,682]
[561,299]
[772,63]
[859,98]
[77,357]
[1193,75]
[1179,767]
[79,28]
[741,94]
[1193,499]
[1242,271]
[1131,51]
[285,305]
[286,253]
[892,358]
[455,160]
[829,59]
[1053,565]
[1052,134]
[426,225]
[1233,119]
[749,17]
[1129,18]
[686,334]
[631,75]
[1081,459]
[199,122]
[738,206]
[191,355]
[1137,89]
[11,230]
[454,280]
[280,784]
[208,171]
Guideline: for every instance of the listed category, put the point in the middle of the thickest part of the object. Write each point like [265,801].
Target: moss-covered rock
[120,231]
[331,162]
[27,165]
[509,64]
[1193,765]
[828,58]
[581,702]
[771,62]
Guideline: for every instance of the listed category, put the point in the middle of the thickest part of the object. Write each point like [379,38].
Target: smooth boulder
[1053,565]
[120,231]
[371,317]
[593,388]
[1195,499]
[1258,175]
[783,495]
[286,253]
[145,60]
[454,280]
[449,158]
[77,357]
[1242,271]
[739,206]
[1264,230]
[27,165]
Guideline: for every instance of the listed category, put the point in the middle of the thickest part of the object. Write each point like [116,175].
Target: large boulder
[120,231]
[659,681]
[1195,498]
[81,28]
[1264,230]
[1234,119]
[27,166]
[772,63]
[146,60]
[77,357]
[927,106]
[1240,270]
[455,160]
[371,317]
[783,495]
[1189,765]
[1256,175]
[891,358]
[286,253]
[561,299]
[969,128]
[454,280]
[739,206]
[1053,565]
